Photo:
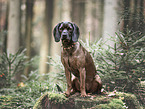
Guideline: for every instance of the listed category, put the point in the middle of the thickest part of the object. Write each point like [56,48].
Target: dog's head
[66,31]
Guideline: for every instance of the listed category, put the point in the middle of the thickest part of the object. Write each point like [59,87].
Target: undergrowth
[120,67]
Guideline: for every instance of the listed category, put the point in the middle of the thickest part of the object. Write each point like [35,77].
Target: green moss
[114,104]
[130,100]
[57,98]
[102,106]
[89,102]
[118,101]
[54,98]
[38,103]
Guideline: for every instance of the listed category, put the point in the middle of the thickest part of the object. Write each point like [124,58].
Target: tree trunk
[126,14]
[78,16]
[28,30]
[142,16]
[46,38]
[14,26]
[94,19]
[101,19]
[133,16]
[140,24]
[3,25]
[110,20]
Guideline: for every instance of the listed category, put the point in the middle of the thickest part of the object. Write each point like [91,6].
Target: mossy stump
[116,100]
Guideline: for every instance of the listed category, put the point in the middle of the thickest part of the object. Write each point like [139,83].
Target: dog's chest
[71,62]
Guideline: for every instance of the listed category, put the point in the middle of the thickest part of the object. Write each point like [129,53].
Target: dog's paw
[83,94]
[67,94]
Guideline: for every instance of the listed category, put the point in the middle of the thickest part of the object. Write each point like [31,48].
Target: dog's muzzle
[65,35]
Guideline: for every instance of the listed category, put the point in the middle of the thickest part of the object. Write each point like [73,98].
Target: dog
[77,61]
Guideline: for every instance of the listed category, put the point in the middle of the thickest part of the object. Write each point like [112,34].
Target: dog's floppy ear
[76,33]
[56,33]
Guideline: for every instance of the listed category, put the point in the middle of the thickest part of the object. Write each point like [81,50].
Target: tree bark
[110,20]
[126,14]
[133,16]
[142,17]
[3,25]
[28,30]
[14,26]
[94,19]
[78,16]
[46,38]
[101,19]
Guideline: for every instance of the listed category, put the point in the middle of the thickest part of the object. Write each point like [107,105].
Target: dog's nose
[65,34]
[65,31]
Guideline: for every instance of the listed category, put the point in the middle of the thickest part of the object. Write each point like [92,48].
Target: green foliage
[16,98]
[141,92]
[130,100]
[121,66]
[25,95]
[10,65]
[57,77]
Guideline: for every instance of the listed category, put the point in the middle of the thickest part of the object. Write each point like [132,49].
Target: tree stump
[116,100]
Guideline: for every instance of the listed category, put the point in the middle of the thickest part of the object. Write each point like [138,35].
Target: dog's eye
[60,29]
[70,29]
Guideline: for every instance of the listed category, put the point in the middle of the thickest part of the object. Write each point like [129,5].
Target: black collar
[69,47]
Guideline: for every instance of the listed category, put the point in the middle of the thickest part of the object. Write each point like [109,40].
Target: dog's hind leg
[96,85]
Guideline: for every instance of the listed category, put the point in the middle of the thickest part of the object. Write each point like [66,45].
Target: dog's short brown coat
[76,60]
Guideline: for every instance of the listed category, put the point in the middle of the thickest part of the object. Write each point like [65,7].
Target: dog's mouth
[66,41]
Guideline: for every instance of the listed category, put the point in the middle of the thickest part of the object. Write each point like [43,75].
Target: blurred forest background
[29,23]
[26,27]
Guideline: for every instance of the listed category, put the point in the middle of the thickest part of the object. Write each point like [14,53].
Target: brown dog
[76,60]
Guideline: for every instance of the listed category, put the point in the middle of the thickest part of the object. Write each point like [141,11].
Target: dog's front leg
[82,81]
[68,79]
